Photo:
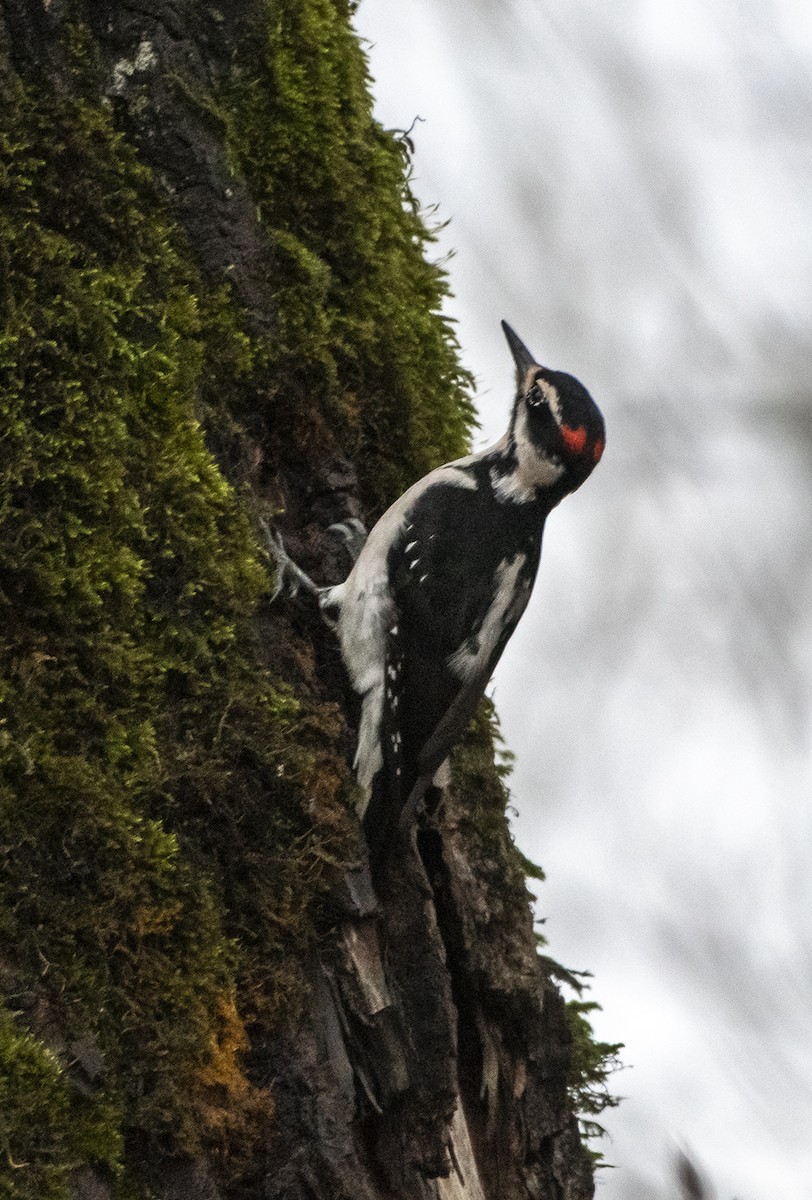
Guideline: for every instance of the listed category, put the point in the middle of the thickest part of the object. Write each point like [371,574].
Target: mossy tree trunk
[217,305]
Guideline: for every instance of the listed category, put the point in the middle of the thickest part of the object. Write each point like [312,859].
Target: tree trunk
[420,1050]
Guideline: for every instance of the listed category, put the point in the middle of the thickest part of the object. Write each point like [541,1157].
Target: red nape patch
[597,449]
[575,439]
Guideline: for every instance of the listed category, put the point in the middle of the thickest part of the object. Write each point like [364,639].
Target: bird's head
[555,417]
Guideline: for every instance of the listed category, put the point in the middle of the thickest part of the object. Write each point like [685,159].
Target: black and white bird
[440,585]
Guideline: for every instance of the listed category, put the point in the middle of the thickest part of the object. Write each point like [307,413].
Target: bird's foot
[353,534]
[289,575]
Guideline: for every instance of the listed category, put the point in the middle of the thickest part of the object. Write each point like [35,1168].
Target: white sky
[630,185]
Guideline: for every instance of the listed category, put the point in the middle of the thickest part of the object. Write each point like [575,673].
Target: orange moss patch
[233,1115]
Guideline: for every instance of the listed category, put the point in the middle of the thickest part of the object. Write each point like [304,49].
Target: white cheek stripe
[531,470]
[551,396]
[548,390]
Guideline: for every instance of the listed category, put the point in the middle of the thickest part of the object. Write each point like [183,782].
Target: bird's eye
[534,397]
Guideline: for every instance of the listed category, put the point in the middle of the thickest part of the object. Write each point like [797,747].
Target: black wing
[461,572]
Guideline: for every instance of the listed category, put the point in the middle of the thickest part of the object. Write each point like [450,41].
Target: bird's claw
[289,577]
[353,534]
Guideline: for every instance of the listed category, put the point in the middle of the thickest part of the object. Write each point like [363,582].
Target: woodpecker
[439,586]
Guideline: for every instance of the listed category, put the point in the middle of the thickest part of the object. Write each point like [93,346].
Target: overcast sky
[630,185]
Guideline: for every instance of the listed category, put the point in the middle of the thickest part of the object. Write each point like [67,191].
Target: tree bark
[433,1060]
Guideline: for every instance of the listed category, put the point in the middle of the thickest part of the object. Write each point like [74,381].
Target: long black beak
[521,355]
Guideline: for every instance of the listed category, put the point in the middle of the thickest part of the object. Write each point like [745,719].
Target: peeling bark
[448,1068]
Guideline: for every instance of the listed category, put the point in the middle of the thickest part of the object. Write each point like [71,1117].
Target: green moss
[592,1065]
[362,348]
[481,768]
[154,775]
[152,831]
[47,1128]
